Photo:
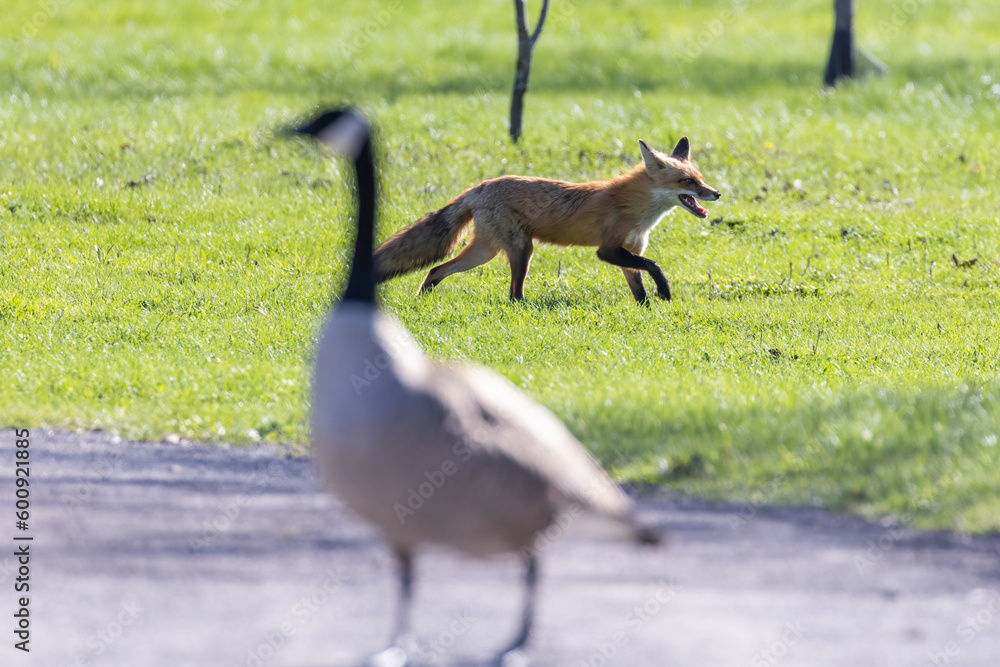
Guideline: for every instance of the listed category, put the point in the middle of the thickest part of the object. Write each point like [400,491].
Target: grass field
[166,256]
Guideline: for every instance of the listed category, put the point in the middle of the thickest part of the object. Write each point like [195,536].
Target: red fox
[511,212]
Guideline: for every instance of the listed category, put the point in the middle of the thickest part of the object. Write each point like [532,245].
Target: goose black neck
[361,282]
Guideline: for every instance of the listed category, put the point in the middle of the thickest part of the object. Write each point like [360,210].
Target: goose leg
[396,654]
[513,655]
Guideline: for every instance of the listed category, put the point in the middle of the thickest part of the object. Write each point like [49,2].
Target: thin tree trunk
[525,44]
[841,63]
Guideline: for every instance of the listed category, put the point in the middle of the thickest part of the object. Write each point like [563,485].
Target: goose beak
[344,130]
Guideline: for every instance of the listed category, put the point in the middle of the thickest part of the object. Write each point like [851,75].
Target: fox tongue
[690,202]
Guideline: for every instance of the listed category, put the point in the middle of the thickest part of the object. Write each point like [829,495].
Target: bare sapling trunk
[841,63]
[525,45]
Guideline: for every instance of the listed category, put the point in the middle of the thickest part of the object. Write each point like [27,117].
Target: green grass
[188,302]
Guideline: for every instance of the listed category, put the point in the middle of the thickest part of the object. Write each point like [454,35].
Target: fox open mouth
[688,202]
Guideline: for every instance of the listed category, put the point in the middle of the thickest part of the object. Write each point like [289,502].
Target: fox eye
[688,180]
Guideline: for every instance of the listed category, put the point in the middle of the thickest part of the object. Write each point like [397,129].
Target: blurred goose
[432,453]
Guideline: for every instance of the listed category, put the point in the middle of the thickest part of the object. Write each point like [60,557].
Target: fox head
[674,177]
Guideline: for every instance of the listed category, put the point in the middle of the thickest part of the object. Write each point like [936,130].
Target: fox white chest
[661,203]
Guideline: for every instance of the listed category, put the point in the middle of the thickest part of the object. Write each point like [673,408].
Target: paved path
[169,555]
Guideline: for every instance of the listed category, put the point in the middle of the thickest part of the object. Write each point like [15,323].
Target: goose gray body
[435,453]
[448,454]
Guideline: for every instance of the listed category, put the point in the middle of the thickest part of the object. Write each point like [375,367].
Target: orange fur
[511,212]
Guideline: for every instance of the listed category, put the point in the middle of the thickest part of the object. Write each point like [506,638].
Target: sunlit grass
[166,255]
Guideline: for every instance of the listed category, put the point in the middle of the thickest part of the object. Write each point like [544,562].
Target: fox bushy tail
[429,239]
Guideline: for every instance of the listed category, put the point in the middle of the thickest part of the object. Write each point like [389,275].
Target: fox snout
[702,192]
[709,194]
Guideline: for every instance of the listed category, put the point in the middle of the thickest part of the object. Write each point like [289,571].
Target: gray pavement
[171,555]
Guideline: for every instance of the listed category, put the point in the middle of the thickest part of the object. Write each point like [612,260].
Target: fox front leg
[634,279]
[627,260]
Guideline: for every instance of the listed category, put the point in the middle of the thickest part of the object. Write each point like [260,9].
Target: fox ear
[682,151]
[649,157]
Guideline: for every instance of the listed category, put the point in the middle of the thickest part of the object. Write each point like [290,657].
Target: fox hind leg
[476,253]
[519,257]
